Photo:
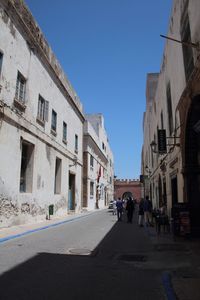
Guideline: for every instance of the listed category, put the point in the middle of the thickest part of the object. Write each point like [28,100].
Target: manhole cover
[132,257]
[75,251]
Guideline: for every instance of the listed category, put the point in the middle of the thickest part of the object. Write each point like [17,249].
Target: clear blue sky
[106,48]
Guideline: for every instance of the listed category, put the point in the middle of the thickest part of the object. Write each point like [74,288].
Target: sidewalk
[185,279]
[9,233]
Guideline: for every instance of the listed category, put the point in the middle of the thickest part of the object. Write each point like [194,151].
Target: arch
[127,195]
[192,160]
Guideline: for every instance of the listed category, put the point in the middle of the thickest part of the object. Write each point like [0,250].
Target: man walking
[119,205]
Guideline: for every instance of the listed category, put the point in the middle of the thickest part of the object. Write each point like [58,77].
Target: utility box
[51,210]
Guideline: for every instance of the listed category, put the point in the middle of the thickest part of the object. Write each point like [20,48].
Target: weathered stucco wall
[43,77]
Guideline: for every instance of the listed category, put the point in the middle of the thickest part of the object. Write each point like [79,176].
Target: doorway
[192,162]
[71,192]
[174,190]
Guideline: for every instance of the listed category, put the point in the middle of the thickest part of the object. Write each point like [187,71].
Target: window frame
[54,122]
[64,138]
[42,111]
[20,91]
[76,143]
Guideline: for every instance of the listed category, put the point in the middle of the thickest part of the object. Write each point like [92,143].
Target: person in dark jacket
[130,206]
[147,211]
[119,205]
[141,213]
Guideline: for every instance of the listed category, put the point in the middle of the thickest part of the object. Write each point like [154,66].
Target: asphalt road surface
[93,257]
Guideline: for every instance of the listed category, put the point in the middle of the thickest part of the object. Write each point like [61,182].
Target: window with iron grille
[53,120]
[186,37]
[20,88]
[43,110]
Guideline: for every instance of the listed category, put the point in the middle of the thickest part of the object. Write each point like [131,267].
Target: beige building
[172,175]
[98,171]
[41,125]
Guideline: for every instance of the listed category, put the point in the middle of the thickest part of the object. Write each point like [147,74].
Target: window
[1,61]
[26,172]
[64,132]
[76,143]
[57,182]
[91,189]
[53,121]
[169,109]
[91,162]
[186,37]
[162,121]
[20,88]
[43,110]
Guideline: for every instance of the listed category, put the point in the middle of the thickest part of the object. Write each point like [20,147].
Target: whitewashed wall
[15,127]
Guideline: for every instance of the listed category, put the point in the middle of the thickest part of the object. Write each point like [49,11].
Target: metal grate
[132,257]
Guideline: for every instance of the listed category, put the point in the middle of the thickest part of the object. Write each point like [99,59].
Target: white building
[175,174]
[41,125]
[98,171]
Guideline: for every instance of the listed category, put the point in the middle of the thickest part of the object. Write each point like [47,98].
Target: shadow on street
[109,272]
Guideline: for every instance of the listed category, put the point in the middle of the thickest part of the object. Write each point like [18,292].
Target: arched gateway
[124,188]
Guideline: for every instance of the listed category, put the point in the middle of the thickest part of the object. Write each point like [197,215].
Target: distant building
[41,125]
[125,188]
[98,170]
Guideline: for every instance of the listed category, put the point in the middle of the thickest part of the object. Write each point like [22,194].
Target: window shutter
[46,111]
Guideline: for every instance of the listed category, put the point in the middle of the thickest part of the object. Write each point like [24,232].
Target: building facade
[124,188]
[41,125]
[173,170]
[98,171]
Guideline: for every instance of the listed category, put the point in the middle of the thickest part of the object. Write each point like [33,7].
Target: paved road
[125,262]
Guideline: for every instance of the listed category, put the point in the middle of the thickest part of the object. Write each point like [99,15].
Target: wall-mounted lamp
[147,170]
[153,146]
[75,160]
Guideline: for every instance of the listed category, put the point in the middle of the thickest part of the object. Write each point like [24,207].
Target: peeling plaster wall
[43,76]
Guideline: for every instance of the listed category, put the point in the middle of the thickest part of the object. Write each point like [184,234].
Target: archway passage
[127,195]
[192,162]
[127,188]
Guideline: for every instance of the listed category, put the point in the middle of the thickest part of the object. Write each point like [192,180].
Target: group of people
[147,216]
[128,205]
[120,205]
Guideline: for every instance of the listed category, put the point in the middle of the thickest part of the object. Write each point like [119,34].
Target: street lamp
[153,146]
[75,160]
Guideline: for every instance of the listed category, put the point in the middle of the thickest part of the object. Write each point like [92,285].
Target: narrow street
[94,257]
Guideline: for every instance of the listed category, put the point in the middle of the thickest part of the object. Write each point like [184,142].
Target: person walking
[147,211]
[114,207]
[119,205]
[130,209]
[141,213]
